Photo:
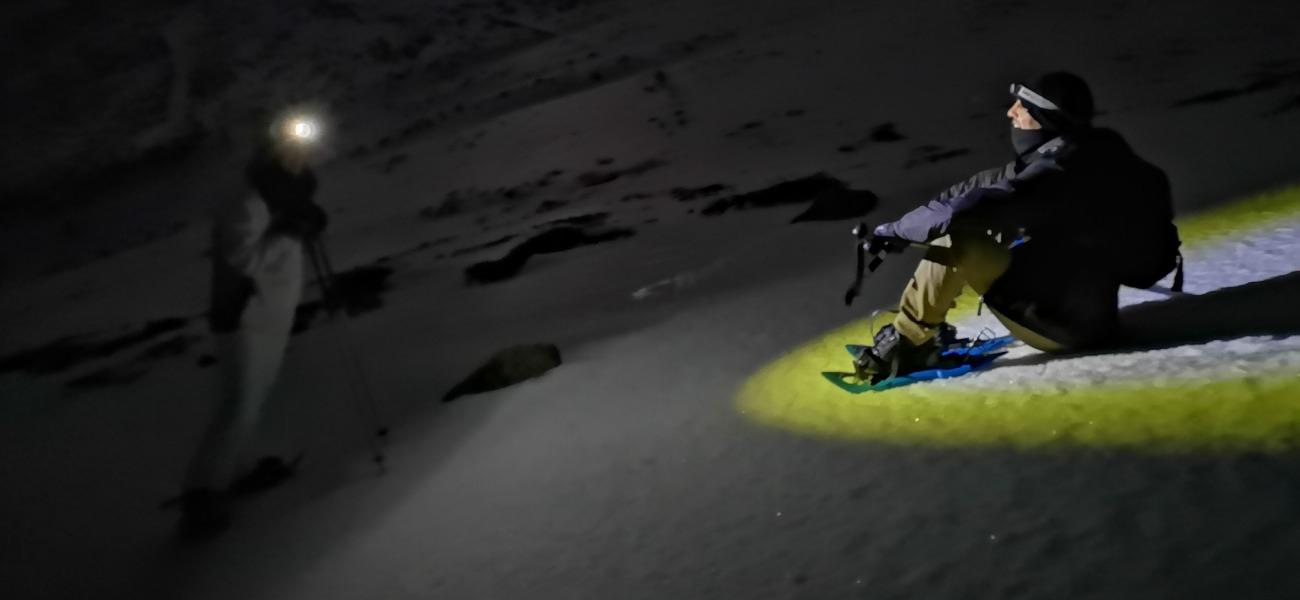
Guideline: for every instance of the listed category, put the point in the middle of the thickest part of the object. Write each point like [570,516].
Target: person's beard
[1028,140]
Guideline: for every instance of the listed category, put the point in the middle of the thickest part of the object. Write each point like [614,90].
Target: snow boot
[892,355]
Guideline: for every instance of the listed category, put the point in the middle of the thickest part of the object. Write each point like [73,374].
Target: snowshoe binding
[892,355]
[206,513]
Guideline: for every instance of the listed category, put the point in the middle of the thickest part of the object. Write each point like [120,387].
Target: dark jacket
[245,230]
[1095,215]
[1092,192]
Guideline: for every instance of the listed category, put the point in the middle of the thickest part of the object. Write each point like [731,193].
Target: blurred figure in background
[257,279]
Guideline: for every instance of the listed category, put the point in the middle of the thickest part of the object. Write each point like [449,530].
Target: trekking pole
[865,245]
[359,385]
[363,398]
[876,246]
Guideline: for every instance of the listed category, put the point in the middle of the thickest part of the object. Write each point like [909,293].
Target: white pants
[248,361]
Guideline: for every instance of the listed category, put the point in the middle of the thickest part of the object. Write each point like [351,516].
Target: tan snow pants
[962,258]
[954,261]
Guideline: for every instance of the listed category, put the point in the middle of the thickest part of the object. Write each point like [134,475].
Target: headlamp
[1032,97]
[299,129]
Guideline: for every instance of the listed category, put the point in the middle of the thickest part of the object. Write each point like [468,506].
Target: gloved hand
[883,239]
[304,222]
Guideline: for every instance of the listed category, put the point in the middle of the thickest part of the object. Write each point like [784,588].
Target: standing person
[257,279]
[1046,239]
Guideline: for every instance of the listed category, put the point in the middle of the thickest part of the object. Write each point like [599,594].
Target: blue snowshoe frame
[975,356]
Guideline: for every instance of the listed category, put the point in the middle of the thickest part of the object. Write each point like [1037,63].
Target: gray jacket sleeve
[984,178]
[995,196]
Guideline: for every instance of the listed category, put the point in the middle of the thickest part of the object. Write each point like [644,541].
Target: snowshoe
[894,361]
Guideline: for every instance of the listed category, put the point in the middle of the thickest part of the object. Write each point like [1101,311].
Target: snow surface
[626,473]
[1264,253]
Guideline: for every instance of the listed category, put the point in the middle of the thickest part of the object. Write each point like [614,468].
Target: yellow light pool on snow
[1255,412]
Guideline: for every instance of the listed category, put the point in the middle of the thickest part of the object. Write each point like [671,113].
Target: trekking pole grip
[860,233]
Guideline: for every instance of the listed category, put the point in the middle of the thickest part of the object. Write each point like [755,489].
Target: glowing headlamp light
[301,130]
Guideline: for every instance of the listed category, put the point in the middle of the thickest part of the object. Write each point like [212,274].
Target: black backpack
[1151,244]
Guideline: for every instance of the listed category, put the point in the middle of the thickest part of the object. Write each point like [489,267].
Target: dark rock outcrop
[831,199]
[484,246]
[106,377]
[595,178]
[555,240]
[587,220]
[682,194]
[68,352]
[838,205]
[360,290]
[884,133]
[506,368]
[928,155]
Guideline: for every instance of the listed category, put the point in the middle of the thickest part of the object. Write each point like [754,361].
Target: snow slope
[628,472]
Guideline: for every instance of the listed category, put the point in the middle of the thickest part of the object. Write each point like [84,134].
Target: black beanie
[1069,93]
[279,188]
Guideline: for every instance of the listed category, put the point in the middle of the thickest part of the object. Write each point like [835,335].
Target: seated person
[1046,239]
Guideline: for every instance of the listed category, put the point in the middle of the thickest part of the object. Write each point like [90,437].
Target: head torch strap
[1033,97]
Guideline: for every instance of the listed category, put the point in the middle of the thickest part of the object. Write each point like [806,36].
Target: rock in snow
[830,199]
[506,368]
